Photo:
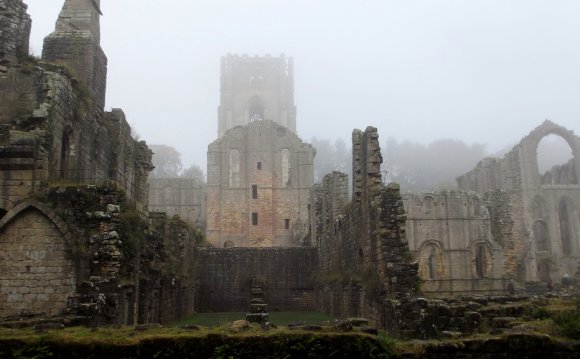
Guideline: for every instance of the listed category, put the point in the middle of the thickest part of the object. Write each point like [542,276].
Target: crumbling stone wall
[85,247]
[541,205]
[288,276]
[54,129]
[127,269]
[364,253]
[76,44]
[14,32]
[258,186]
[451,235]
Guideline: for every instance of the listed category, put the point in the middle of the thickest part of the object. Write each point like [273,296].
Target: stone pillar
[75,43]
[14,31]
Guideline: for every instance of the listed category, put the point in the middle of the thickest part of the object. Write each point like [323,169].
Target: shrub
[568,324]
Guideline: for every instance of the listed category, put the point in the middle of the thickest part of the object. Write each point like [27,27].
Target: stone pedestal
[258,309]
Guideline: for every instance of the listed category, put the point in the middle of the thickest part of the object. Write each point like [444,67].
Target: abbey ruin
[84,234]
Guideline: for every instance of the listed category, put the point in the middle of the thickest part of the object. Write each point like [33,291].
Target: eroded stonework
[544,243]
[86,248]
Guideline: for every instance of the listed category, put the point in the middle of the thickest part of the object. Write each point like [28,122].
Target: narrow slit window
[259,165]
[286,224]
[254,191]
[254,219]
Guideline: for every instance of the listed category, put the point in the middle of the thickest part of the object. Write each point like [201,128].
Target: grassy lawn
[278,318]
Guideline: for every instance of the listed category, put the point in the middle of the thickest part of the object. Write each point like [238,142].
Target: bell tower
[256,88]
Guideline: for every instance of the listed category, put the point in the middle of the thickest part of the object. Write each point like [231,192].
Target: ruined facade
[544,241]
[450,234]
[259,172]
[74,236]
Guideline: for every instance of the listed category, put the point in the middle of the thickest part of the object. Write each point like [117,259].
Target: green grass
[278,318]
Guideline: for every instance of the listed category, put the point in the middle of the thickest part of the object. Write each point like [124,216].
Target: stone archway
[37,271]
[431,264]
[530,146]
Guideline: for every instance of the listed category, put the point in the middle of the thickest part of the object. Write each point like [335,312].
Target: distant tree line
[167,162]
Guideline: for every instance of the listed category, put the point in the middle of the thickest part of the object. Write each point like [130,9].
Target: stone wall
[179,196]
[87,247]
[543,208]
[258,187]
[14,32]
[288,276]
[450,234]
[128,269]
[37,271]
[75,43]
[364,253]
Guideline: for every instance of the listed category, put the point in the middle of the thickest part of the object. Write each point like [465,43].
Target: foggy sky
[486,71]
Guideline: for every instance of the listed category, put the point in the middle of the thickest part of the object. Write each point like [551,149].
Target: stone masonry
[451,235]
[258,187]
[74,235]
[363,251]
[544,237]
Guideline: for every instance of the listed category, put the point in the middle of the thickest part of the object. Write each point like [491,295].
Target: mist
[481,71]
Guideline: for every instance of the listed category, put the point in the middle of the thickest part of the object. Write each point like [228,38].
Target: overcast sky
[485,71]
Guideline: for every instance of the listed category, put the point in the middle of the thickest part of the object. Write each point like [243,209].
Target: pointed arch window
[285,157]
[234,168]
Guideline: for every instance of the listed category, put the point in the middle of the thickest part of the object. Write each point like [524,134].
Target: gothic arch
[44,209]
[431,261]
[482,260]
[37,245]
[532,141]
[538,209]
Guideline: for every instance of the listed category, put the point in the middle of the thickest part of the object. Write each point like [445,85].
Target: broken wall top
[14,31]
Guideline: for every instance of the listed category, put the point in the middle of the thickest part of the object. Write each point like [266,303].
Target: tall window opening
[285,154]
[254,219]
[482,261]
[555,161]
[254,191]
[431,262]
[565,211]
[234,168]
[541,236]
[286,224]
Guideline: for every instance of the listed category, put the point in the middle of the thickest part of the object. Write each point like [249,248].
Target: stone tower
[256,88]
[75,43]
[259,172]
